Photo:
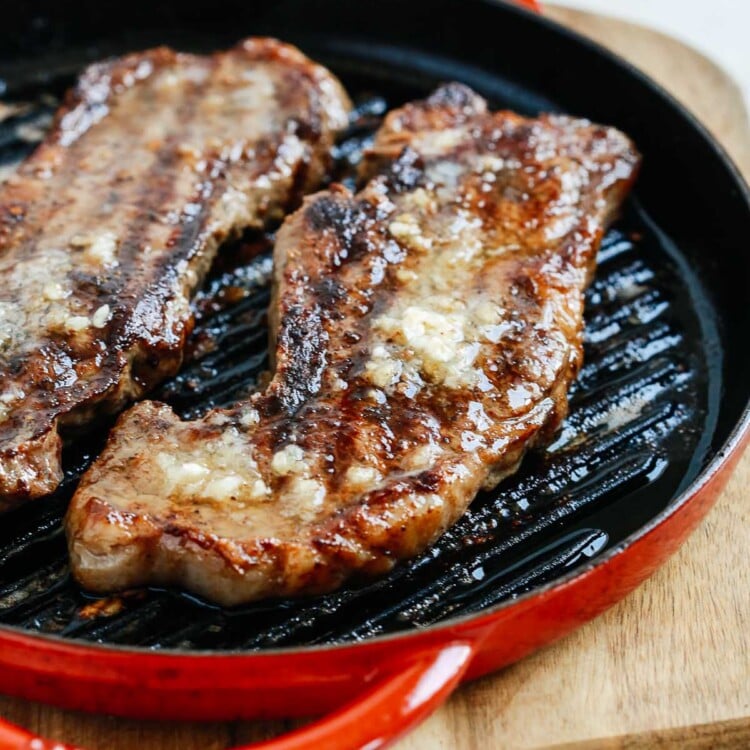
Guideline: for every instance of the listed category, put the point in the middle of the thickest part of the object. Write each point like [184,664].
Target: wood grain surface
[667,668]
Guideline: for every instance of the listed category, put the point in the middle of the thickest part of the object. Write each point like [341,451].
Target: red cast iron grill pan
[658,418]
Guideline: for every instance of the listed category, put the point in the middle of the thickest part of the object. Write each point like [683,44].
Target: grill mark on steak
[426,332]
[108,228]
[301,332]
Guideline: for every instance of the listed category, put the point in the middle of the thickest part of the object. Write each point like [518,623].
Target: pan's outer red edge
[145,684]
[307,682]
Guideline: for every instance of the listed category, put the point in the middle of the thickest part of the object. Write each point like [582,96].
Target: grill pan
[658,415]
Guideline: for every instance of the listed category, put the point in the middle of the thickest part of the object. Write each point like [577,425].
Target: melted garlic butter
[55,308]
[436,339]
[432,332]
[301,496]
[218,469]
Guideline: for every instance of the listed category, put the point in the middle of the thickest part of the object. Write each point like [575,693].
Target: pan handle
[374,719]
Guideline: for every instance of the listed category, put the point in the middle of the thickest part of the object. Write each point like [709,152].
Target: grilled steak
[426,332]
[107,229]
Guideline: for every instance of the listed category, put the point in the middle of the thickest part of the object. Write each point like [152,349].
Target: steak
[425,332]
[110,225]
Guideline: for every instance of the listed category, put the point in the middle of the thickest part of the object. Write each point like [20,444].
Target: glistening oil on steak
[626,444]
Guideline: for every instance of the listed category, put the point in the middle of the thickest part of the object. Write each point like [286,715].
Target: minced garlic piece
[223,487]
[77,323]
[405,228]
[191,470]
[103,248]
[53,292]
[303,498]
[422,457]
[99,248]
[404,275]
[249,417]
[486,313]
[422,199]
[6,399]
[436,142]
[289,460]
[259,489]
[100,317]
[360,475]
[431,334]
[81,240]
[491,164]
[383,370]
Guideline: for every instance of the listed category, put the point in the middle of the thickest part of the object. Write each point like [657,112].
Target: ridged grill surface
[632,437]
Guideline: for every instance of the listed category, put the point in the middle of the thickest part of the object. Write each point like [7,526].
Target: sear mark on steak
[443,353]
[109,227]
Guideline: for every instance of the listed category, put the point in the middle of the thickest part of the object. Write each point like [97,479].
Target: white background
[718,28]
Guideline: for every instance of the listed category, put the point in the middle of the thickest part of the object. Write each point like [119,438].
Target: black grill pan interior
[642,422]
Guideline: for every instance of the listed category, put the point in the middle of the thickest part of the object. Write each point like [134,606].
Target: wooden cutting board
[669,667]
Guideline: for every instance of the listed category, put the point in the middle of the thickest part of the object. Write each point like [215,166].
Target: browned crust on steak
[428,330]
[108,228]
